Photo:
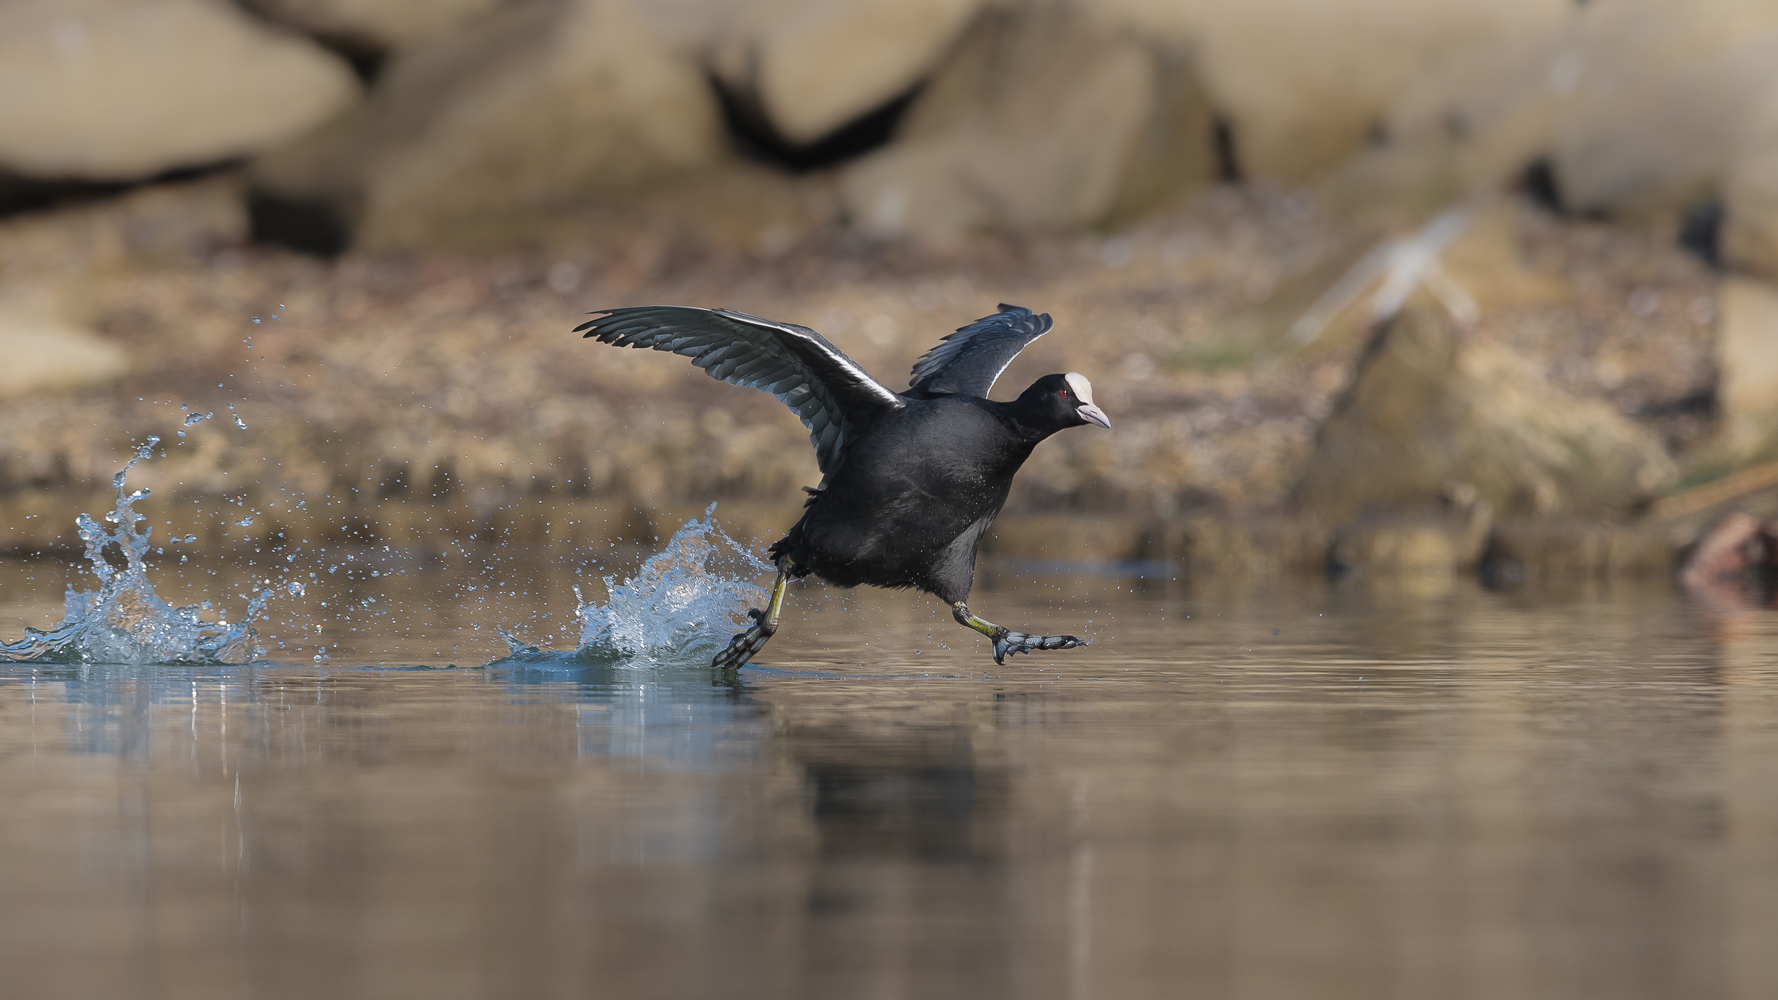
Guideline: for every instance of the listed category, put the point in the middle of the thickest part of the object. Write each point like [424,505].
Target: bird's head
[1065,401]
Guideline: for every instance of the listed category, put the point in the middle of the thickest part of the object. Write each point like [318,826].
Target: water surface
[1239,789]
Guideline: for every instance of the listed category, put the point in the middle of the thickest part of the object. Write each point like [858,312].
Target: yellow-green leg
[1006,641]
[745,644]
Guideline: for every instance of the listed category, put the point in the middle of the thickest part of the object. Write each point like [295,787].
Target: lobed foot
[1008,642]
[745,643]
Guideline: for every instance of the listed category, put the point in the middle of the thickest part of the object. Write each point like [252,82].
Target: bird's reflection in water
[846,853]
[910,882]
[889,842]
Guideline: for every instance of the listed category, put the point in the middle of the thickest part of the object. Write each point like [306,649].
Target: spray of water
[125,621]
[679,608]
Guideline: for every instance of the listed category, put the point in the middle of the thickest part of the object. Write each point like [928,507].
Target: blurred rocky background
[1390,287]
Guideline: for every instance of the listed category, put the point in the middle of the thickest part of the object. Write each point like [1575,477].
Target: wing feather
[829,391]
[967,362]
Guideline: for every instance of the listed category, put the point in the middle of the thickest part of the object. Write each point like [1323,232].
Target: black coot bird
[910,480]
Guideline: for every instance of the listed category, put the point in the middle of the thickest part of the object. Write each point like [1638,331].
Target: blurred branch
[1710,494]
[1396,267]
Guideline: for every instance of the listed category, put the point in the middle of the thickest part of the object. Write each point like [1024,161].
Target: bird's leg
[746,643]
[1006,640]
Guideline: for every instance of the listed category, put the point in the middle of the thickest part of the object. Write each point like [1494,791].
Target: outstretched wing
[832,395]
[967,362]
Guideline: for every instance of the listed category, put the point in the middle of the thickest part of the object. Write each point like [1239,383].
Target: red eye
[1063,393]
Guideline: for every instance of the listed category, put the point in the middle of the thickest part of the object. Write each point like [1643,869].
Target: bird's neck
[1029,420]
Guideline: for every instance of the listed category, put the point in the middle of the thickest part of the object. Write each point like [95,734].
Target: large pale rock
[1471,124]
[118,91]
[1660,94]
[722,30]
[813,66]
[383,24]
[541,107]
[1427,409]
[45,353]
[1747,358]
[1301,83]
[1001,139]
[1750,194]
[1637,105]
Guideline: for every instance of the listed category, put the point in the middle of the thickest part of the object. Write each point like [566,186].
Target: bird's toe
[1009,643]
[745,643]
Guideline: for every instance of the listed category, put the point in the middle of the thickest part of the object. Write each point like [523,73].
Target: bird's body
[911,480]
[911,498]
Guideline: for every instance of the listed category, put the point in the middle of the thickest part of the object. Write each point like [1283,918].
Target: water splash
[125,621]
[680,607]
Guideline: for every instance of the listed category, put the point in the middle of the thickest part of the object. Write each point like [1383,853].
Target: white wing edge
[887,395]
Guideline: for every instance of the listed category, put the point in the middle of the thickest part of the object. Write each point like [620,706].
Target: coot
[910,480]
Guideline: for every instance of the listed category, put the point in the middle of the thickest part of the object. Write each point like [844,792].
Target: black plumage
[911,480]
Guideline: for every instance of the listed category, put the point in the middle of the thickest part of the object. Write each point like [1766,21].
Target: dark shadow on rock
[754,137]
[20,194]
[366,57]
[1228,155]
[305,225]
[1701,232]
[1538,182]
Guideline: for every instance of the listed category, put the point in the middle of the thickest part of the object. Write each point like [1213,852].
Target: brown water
[1239,790]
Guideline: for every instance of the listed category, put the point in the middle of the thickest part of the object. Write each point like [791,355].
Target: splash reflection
[684,718]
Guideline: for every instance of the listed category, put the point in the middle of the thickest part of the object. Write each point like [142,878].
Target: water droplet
[244,522]
[242,424]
